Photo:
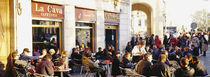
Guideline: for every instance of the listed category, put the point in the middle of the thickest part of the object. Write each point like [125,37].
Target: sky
[180,11]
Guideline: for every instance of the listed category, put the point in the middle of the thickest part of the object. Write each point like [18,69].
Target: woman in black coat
[128,47]
[115,65]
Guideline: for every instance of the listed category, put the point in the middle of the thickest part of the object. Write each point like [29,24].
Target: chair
[131,73]
[76,65]
[40,75]
[87,63]
[88,71]
[22,72]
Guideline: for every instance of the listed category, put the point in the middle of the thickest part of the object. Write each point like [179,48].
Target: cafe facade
[63,25]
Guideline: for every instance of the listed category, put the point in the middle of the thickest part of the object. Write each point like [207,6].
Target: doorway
[111,36]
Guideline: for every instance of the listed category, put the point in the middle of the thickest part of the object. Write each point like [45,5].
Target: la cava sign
[47,10]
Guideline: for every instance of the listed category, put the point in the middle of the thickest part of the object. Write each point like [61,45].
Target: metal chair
[89,71]
[40,75]
[131,73]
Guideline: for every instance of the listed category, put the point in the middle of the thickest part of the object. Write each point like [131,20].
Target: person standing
[151,41]
[204,44]
[115,65]
[194,41]
[165,41]
[157,41]
[173,41]
[128,47]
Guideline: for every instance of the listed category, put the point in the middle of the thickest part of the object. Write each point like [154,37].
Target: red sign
[85,15]
[44,10]
[108,61]
[111,17]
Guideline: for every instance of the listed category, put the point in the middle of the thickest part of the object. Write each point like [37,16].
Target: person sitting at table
[144,66]
[52,52]
[148,49]
[45,67]
[186,51]
[167,60]
[57,55]
[26,55]
[105,55]
[111,50]
[185,70]
[19,65]
[138,51]
[76,56]
[99,53]
[126,63]
[160,69]
[63,61]
[36,52]
[92,67]
[189,57]
[200,69]
[116,65]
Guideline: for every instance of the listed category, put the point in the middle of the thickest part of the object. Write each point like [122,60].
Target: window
[46,34]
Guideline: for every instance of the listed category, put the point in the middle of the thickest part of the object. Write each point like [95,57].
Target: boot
[204,53]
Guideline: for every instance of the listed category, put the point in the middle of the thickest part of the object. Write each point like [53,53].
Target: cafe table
[62,70]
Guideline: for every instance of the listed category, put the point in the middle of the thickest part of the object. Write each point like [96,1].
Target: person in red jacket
[157,41]
[173,41]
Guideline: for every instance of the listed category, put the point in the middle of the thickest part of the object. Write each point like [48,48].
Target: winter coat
[174,42]
[200,70]
[157,42]
[160,69]
[115,67]
[184,72]
[46,68]
[143,67]
[204,44]
[128,48]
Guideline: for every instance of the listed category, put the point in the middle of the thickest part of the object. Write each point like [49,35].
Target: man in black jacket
[161,69]
[185,70]
[200,70]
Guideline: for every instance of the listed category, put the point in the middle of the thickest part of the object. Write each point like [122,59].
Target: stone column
[69,35]
[124,27]
[24,26]
[100,30]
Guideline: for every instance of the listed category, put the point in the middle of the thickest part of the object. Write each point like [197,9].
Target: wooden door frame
[115,27]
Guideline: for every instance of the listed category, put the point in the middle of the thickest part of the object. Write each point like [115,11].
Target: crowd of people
[43,62]
[148,57]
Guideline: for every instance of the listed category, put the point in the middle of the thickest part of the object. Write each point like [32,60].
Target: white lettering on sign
[39,9]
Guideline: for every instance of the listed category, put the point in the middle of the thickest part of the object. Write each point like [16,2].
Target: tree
[201,18]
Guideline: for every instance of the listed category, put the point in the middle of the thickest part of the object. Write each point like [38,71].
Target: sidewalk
[206,60]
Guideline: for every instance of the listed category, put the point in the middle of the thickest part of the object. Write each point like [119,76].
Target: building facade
[64,24]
